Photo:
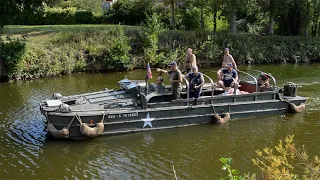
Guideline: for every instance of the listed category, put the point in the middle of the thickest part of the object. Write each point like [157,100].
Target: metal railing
[255,79]
[211,82]
[187,83]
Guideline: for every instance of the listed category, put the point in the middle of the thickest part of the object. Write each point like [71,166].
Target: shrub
[117,56]
[150,35]
[55,16]
[279,163]
[84,17]
[11,53]
[129,13]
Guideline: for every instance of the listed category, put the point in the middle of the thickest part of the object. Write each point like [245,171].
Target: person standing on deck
[175,78]
[227,58]
[190,61]
[196,81]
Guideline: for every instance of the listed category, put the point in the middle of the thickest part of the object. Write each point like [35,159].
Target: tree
[315,17]
[215,6]
[231,7]
[306,17]
[10,9]
[172,4]
[201,4]
[271,7]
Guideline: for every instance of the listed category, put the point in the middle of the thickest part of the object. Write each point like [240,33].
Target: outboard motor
[56,96]
[64,108]
[290,89]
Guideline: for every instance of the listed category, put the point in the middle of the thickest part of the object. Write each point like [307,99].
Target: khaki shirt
[175,75]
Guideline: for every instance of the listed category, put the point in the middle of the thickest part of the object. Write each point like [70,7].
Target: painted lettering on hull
[125,115]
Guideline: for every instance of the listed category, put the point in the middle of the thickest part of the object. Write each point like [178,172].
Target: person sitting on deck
[175,78]
[226,76]
[158,86]
[263,82]
[196,81]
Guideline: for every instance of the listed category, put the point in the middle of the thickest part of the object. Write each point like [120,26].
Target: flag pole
[146,88]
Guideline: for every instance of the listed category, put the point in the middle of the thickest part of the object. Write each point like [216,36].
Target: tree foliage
[11,9]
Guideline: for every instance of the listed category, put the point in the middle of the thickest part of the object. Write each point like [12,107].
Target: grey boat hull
[178,113]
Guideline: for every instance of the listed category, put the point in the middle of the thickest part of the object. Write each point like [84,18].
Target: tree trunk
[271,17]
[202,18]
[215,18]
[307,20]
[319,30]
[173,23]
[233,23]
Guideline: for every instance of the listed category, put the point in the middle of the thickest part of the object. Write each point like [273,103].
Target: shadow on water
[194,151]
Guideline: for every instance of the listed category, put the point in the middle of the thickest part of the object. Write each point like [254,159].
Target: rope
[214,111]
[70,122]
[79,119]
[104,113]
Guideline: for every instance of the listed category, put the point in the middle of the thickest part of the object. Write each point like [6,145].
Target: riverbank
[62,49]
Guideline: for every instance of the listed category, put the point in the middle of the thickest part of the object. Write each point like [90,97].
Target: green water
[25,153]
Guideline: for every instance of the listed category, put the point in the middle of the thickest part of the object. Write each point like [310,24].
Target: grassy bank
[56,49]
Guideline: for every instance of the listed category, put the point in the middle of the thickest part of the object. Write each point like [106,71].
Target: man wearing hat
[227,58]
[175,79]
[227,76]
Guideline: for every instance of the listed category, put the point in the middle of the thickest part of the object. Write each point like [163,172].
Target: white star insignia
[147,121]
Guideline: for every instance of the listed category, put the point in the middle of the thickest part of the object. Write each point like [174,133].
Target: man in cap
[227,58]
[196,81]
[227,76]
[158,87]
[175,79]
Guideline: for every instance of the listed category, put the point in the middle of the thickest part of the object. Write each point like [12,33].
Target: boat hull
[179,113]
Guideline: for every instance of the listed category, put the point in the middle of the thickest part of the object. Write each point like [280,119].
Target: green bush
[129,13]
[55,16]
[84,17]
[11,53]
[117,56]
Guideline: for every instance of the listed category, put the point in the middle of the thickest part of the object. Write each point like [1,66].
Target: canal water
[25,153]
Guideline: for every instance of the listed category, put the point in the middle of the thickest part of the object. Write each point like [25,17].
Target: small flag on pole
[149,73]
